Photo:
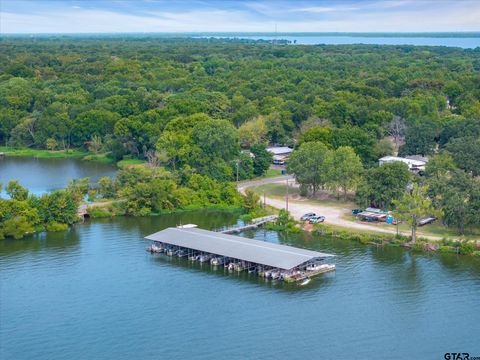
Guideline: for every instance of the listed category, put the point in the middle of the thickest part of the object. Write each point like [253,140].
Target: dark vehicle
[356,211]
[307,216]
[316,219]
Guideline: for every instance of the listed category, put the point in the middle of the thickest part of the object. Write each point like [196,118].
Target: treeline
[127,96]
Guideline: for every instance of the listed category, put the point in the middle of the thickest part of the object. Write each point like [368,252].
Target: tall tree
[413,206]
[261,159]
[344,170]
[307,163]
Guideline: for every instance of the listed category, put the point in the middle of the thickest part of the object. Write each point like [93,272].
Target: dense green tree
[360,140]
[318,133]
[93,123]
[308,165]
[16,191]
[420,139]
[262,159]
[439,166]
[459,128]
[458,195]
[344,170]
[466,153]
[383,184]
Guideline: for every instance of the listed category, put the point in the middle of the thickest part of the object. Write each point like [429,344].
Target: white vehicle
[308,216]
[316,219]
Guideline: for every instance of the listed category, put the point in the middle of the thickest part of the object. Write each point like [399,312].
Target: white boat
[204,258]
[192,257]
[154,249]
[181,253]
[320,267]
[239,267]
[305,281]
[268,273]
[231,266]
[216,261]
[170,252]
[275,275]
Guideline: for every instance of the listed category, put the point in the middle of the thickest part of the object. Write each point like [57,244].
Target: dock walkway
[255,223]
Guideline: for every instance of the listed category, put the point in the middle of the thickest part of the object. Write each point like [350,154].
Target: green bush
[98,213]
[466,248]
[446,249]
[54,226]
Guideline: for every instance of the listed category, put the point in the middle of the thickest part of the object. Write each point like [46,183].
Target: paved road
[245,184]
[333,214]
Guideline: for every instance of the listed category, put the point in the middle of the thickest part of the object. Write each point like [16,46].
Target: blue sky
[74,16]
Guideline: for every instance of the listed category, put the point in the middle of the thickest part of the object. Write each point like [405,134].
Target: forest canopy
[133,96]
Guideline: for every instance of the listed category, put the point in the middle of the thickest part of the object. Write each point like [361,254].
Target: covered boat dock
[241,254]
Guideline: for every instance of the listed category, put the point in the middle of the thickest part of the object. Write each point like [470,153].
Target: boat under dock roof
[255,251]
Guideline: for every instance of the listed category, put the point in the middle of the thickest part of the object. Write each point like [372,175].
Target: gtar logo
[457,356]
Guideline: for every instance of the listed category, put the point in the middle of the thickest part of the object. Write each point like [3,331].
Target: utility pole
[286,198]
[238,164]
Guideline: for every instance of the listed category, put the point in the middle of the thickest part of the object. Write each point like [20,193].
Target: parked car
[356,211]
[316,219]
[307,216]
[426,221]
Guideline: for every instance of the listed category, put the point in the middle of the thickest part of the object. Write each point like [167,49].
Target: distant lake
[462,42]
[43,175]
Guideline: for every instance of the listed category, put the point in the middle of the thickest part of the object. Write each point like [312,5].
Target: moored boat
[216,261]
[275,275]
[154,249]
[305,281]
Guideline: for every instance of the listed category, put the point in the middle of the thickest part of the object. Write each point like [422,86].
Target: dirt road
[333,214]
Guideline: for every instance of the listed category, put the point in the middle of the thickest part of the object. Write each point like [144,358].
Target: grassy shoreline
[69,154]
[46,154]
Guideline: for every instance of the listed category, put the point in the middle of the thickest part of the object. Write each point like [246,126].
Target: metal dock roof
[260,252]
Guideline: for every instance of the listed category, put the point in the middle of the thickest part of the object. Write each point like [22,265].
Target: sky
[112,16]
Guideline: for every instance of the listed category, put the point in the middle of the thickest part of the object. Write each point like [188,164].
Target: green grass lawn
[9,151]
[130,162]
[277,190]
[272,173]
[102,158]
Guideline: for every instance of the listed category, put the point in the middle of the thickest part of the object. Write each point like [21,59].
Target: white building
[280,154]
[413,164]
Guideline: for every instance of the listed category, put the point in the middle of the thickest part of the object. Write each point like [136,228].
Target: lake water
[467,42]
[95,293]
[42,175]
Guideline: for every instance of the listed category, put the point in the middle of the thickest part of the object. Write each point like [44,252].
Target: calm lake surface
[42,175]
[467,42]
[95,293]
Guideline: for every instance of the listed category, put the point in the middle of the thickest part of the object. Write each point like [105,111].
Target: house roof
[280,150]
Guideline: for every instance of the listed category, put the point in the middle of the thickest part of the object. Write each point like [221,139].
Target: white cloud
[463,17]
[321,9]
